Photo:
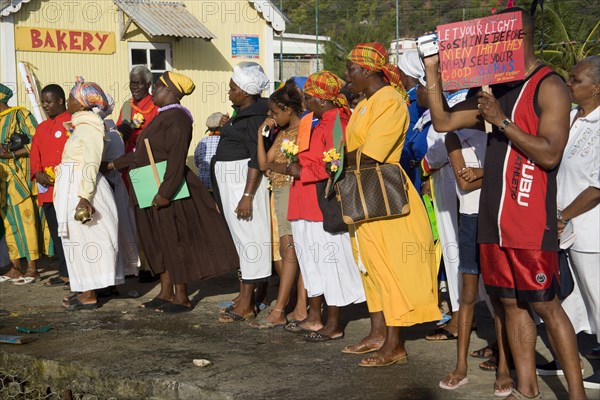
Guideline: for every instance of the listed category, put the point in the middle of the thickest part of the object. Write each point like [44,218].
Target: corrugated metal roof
[271,14]
[164,18]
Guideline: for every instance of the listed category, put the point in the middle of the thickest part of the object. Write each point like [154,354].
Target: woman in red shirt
[326,261]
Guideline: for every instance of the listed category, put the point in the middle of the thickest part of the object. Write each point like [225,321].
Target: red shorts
[528,275]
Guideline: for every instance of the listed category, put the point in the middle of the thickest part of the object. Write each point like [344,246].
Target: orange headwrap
[374,57]
[326,85]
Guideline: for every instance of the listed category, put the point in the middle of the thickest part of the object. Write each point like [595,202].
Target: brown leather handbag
[372,192]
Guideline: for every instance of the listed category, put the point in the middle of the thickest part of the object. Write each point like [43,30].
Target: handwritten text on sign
[482,51]
[64,40]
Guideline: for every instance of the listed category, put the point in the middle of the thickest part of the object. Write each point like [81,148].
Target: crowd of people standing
[70,189]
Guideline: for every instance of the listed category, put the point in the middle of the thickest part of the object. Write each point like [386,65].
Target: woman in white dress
[578,202]
[90,248]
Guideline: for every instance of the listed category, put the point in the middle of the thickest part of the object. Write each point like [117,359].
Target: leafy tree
[571,26]
[570,34]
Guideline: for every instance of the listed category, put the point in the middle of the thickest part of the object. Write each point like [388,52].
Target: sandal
[262,323]
[503,392]
[520,396]
[490,365]
[56,281]
[441,334]
[153,304]
[26,280]
[360,348]
[382,361]
[446,384]
[484,352]
[316,336]
[228,316]
[76,305]
[593,354]
[294,327]
[173,308]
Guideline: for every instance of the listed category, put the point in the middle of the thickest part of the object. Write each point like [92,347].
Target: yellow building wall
[208,63]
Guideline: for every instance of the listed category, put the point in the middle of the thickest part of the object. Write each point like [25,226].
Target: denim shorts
[468,249]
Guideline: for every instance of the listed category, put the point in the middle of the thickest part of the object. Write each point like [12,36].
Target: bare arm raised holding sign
[517,239]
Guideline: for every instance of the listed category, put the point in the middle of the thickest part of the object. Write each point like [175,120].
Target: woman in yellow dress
[397,253]
[19,210]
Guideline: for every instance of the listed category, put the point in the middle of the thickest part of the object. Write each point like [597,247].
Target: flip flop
[503,392]
[446,386]
[593,354]
[229,316]
[76,305]
[316,336]
[26,280]
[262,323]
[294,327]
[225,304]
[490,365]
[445,335]
[173,308]
[153,304]
[484,352]
[56,281]
[383,361]
[6,278]
[359,348]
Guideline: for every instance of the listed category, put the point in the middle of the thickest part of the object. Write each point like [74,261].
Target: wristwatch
[504,124]
[559,217]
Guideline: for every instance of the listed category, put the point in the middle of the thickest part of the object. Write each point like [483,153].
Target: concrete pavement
[119,352]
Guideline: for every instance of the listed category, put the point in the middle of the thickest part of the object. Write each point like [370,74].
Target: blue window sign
[245,46]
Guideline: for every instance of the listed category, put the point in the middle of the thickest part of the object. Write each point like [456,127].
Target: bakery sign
[64,40]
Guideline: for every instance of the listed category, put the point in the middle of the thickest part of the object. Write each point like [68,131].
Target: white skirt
[90,249]
[327,264]
[446,215]
[252,238]
[583,305]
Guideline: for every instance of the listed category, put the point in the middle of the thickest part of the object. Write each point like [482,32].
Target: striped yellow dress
[18,207]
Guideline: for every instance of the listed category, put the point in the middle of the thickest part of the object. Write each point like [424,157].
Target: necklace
[176,105]
[146,111]
[537,61]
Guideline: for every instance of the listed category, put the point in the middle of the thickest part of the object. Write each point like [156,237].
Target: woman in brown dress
[184,240]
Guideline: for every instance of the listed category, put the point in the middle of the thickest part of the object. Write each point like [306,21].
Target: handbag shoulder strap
[152,163]
[358,154]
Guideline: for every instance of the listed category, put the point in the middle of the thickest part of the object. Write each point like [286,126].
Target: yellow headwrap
[5,93]
[180,84]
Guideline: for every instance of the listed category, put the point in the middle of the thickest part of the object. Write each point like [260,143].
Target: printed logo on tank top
[522,180]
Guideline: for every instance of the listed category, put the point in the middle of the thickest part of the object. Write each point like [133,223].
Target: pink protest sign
[481,51]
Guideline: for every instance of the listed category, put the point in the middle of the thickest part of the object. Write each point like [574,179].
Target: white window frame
[151,46]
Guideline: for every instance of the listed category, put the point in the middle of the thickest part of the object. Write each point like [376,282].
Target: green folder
[145,186]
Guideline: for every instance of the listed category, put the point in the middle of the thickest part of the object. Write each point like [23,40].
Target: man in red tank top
[517,230]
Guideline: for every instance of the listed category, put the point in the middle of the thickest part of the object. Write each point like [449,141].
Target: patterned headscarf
[374,57]
[326,85]
[180,84]
[5,93]
[90,95]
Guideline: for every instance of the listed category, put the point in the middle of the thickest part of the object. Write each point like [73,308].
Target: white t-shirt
[473,142]
[580,169]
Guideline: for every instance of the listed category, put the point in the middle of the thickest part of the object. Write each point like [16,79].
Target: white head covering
[250,77]
[410,63]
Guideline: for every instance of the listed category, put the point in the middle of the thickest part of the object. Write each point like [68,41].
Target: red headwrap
[374,57]
[326,85]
